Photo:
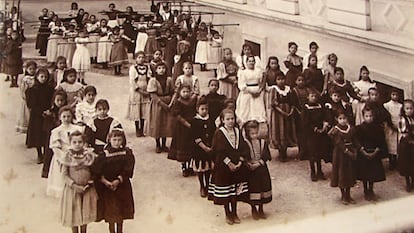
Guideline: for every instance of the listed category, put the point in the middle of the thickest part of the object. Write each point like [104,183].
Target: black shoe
[39,160]
[185,172]
[158,150]
[203,192]
[165,149]
[283,159]
[229,220]
[320,176]
[262,215]
[236,219]
[7,78]
[314,178]
[255,214]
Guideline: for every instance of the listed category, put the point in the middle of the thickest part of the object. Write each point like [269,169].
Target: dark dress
[178,66]
[260,184]
[13,60]
[371,136]
[314,78]
[270,76]
[169,52]
[293,73]
[181,147]
[202,131]
[131,32]
[225,184]
[50,122]
[42,35]
[346,89]
[317,145]
[215,104]
[406,147]
[334,108]
[343,164]
[115,206]
[101,129]
[38,99]
[300,98]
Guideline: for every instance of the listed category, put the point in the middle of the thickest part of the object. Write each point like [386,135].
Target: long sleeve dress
[295,66]
[391,131]
[406,147]
[202,130]
[226,73]
[24,112]
[139,101]
[81,58]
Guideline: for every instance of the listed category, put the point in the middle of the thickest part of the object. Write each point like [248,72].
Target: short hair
[31,63]
[313,43]
[67,72]
[140,53]
[182,86]
[188,63]
[61,58]
[89,89]
[77,133]
[116,133]
[213,80]
[102,103]
[290,44]
[66,108]
[229,101]
[339,69]
[60,93]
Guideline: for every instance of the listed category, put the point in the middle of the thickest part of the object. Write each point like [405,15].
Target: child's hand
[232,167]
[188,125]
[115,184]
[107,184]
[207,149]
[78,188]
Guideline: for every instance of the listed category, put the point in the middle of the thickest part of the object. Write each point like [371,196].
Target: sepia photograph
[211,116]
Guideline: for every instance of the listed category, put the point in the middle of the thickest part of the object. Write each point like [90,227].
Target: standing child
[272,71]
[260,185]
[161,122]
[59,143]
[38,99]
[102,125]
[227,75]
[201,52]
[247,51]
[13,61]
[282,128]
[85,111]
[329,71]
[344,155]
[105,45]
[214,52]
[183,56]
[27,82]
[391,131]
[405,147]
[156,59]
[294,63]
[119,53]
[73,89]
[55,38]
[79,199]
[315,125]
[343,85]
[202,129]
[362,87]
[115,188]
[188,79]
[151,45]
[229,180]
[215,101]
[69,48]
[51,121]
[81,61]
[313,75]
[373,146]
[93,28]
[57,74]
[184,110]
[139,98]
[313,51]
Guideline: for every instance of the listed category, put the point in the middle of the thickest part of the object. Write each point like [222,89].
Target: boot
[312,167]
[7,78]
[13,82]
[319,173]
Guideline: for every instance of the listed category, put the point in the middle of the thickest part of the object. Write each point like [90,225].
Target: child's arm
[69,182]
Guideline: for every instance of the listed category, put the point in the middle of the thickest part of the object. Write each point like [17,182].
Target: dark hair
[246,45]
[116,133]
[182,86]
[290,44]
[66,108]
[61,58]
[77,133]
[29,64]
[332,55]
[341,112]
[249,126]
[272,58]
[67,72]
[334,90]
[229,101]
[339,69]
[367,108]
[406,101]
[373,89]
[201,101]
[213,80]
[366,69]
[188,62]
[224,112]
[111,4]
[102,103]
[313,43]
[42,71]
[60,93]
[311,56]
[140,53]
[90,89]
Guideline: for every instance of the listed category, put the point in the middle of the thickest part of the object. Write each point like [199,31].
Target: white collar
[339,84]
[343,131]
[226,134]
[197,116]
[313,107]
[283,92]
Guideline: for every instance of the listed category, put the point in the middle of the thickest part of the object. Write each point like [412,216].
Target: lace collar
[345,131]
[197,116]
[283,92]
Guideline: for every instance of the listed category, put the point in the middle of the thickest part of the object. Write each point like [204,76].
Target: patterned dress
[139,101]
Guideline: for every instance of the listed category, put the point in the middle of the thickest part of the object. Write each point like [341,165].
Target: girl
[247,52]
[151,45]
[294,63]
[81,62]
[202,129]
[344,155]
[329,70]
[405,147]
[112,15]
[161,89]
[119,55]
[251,95]
[313,50]
[69,48]
[13,60]
[313,75]
[73,89]
[27,82]
[188,79]
[139,98]
[343,85]
[51,121]
[260,185]
[203,37]
[59,144]
[282,128]
[85,111]
[214,52]
[336,104]
[117,168]
[229,180]
[170,49]
[104,45]
[56,36]
[391,131]
[373,147]
[156,59]
[43,33]
[38,99]
[57,74]
[184,111]
[361,88]
[315,126]
[272,71]
[93,28]
[215,101]
[227,75]
[183,56]
[79,199]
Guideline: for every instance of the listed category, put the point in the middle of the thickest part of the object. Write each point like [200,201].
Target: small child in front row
[202,129]
[85,111]
[73,89]
[344,155]
[139,98]
[371,136]
[27,82]
[184,109]
[79,199]
[260,184]
[405,147]
[115,191]
[391,131]
[315,126]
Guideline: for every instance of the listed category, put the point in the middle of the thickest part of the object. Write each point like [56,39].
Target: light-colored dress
[392,136]
[192,82]
[361,87]
[59,143]
[24,112]
[73,91]
[81,59]
[242,62]
[138,104]
[54,39]
[104,46]
[78,208]
[214,53]
[85,112]
[70,47]
[94,37]
[247,106]
[225,71]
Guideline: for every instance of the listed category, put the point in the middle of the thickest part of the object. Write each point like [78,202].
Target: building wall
[375,33]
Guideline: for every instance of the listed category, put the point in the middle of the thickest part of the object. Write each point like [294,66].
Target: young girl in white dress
[81,61]
[55,37]
[104,45]
[391,132]
[27,82]
[361,87]
[85,111]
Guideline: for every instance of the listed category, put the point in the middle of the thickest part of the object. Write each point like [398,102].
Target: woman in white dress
[362,87]
[250,102]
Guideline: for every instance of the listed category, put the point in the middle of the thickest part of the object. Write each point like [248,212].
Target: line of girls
[84,151]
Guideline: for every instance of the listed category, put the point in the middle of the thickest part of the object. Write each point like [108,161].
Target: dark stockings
[80,229]
[283,153]
[139,128]
[161,142]
[118,227]
[409,183]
